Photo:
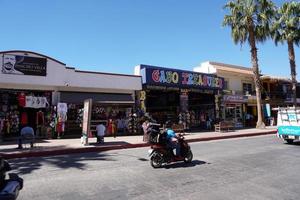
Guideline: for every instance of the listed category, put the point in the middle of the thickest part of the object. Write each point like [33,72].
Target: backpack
[153,136]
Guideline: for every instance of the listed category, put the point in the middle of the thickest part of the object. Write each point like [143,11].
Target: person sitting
[27,133]
[100,133]
[172,138]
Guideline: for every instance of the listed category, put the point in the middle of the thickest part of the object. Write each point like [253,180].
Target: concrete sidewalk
[68,146]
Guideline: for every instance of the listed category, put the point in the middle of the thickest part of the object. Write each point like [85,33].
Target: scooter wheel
[189,157]
[155,162]
[289,141]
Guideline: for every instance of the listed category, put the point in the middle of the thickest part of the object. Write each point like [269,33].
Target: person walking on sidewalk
[27,133]
[145,127]
[100,133]
[112,128]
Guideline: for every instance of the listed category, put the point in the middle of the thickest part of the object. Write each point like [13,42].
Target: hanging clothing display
[19,108]
[40,120]
[22,99]
[24,119]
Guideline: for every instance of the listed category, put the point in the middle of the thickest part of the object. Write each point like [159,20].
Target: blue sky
[116,35]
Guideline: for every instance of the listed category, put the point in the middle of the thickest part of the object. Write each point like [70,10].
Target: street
[244,168]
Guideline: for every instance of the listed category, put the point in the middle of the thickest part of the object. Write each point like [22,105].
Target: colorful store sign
[179,79]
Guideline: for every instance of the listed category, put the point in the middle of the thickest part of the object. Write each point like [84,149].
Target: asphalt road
[246,168]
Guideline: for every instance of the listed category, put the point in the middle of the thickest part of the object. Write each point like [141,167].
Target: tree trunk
[254,60]
[293,71]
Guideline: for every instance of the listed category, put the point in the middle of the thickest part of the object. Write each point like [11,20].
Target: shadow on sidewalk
[14,149]
[78,161]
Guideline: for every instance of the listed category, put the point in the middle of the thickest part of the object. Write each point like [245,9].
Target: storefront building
[42,92]
[276,92]
[238,97]
[234,107]
[185,97]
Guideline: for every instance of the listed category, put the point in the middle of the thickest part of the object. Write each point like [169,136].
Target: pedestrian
[27,133]
[112,128]
[208,122]
[100,133]
[145,127]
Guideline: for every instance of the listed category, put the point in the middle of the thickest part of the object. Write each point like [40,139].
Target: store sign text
[186,79]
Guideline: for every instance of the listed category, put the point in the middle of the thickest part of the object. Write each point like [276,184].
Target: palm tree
[250,21]
[286,28]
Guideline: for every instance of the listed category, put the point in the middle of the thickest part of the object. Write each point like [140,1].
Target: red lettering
[155,76]
[185,77]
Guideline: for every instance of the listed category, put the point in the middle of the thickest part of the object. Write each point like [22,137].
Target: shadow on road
[184,165]
[297,143]
[78,161]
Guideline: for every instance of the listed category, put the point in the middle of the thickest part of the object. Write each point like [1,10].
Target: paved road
[245,168]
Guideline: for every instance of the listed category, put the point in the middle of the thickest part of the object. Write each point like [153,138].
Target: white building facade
[27,76]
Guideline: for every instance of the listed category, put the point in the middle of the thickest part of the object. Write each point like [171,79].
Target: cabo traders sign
[180,79]
[24,65]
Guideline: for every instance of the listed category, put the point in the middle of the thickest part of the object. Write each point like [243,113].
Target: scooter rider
[172,138]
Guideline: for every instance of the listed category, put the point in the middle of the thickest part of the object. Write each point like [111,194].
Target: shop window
[247,89]
[226,84]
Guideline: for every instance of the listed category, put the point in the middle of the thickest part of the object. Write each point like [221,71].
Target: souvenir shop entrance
[23,107]
[117,118]
[201,110]
[163,105]
[114,110]
[185,97]
[234,109]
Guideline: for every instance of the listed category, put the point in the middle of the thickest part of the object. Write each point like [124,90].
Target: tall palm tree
[286,28]
[250,22]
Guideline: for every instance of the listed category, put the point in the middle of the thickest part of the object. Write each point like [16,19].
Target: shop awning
[105,98]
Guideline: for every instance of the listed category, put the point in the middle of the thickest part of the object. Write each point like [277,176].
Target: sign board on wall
[159,76]
[36,102]
[87,109]
[235,98]
[24,65]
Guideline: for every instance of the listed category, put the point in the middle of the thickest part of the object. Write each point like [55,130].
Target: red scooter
[160,153]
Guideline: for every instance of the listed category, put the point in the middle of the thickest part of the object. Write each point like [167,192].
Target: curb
[116,147]
[231,136]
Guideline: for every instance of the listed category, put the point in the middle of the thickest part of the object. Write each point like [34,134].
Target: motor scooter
[9,188]
[160,152]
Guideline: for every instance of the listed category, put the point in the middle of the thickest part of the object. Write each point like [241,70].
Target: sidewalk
[69,146]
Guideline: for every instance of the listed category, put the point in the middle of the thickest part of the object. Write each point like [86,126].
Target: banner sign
[36,102]
[268,110]
[24,65]
[159,76]
[235,98]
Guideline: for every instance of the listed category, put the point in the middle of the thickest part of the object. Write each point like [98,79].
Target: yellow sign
[142,95]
